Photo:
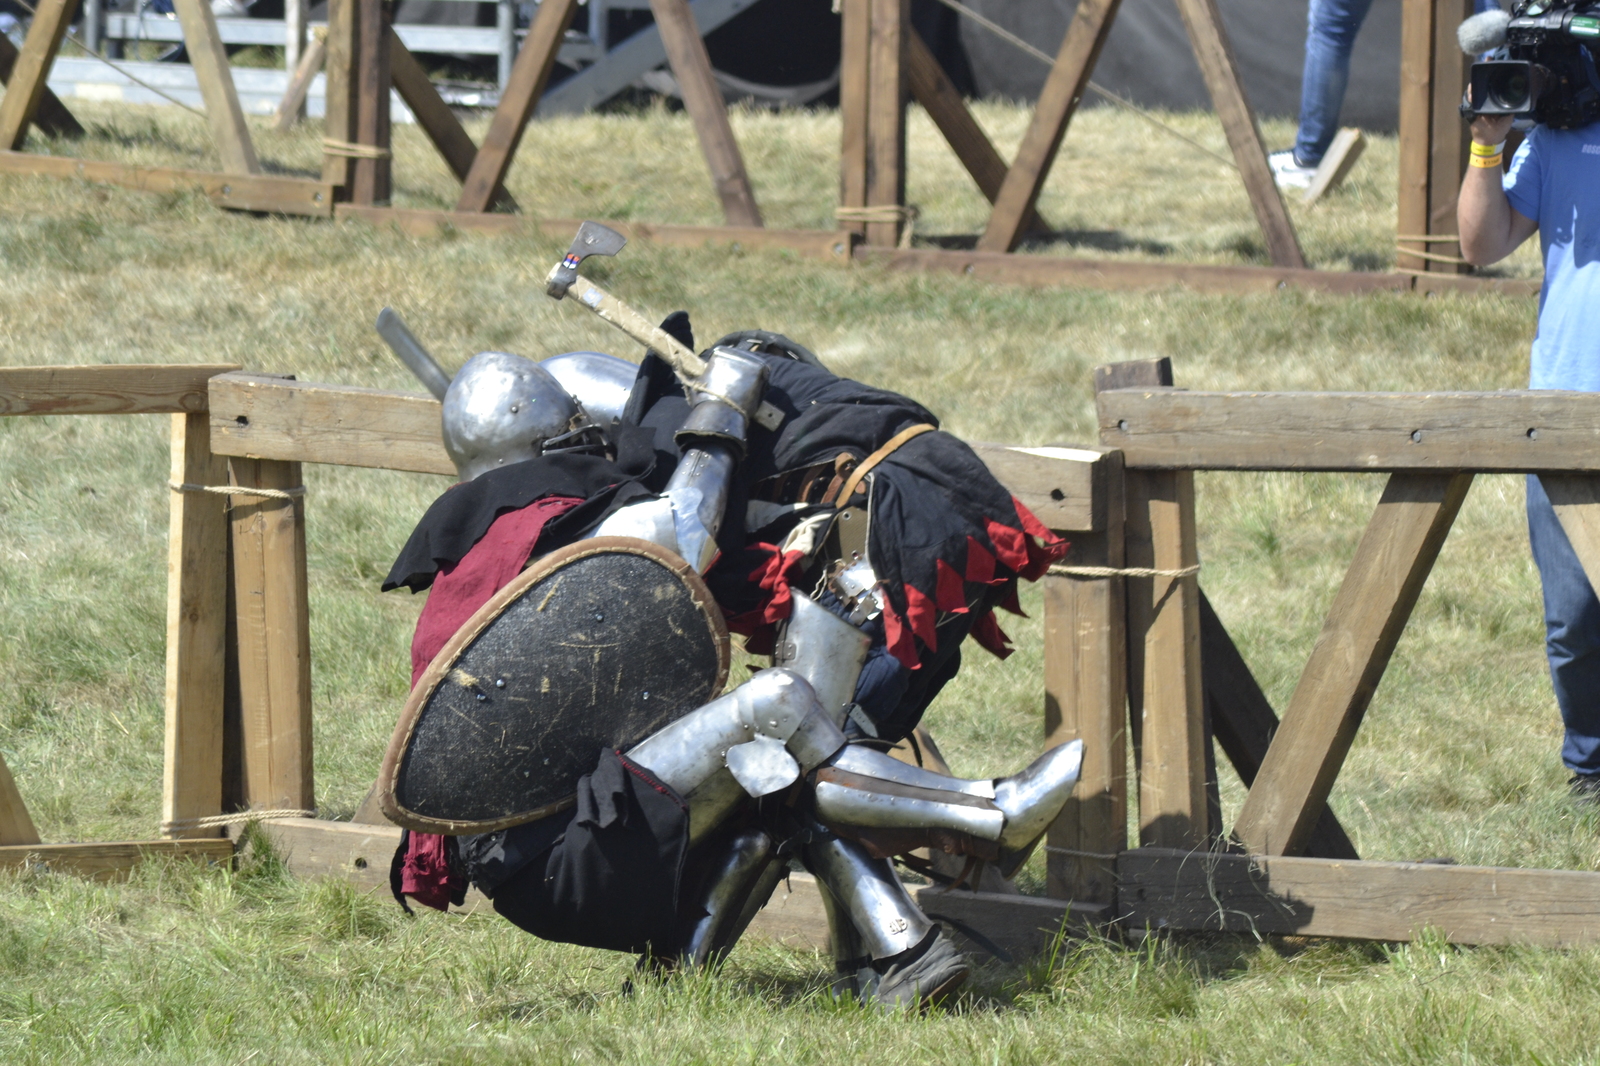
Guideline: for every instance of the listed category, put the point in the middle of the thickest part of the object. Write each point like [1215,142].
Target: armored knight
[610,527]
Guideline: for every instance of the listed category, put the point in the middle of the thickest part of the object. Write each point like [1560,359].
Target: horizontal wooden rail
[1163,889]
[103,862]
[1493,432]
[126,389]
[238,192]
[264,417]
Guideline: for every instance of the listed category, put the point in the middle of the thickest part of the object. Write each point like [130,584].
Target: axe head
[592,239]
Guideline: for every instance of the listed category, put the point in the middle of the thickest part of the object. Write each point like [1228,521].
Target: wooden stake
[16,825]
[1416,127]
[196,631]
[30,72]
[1215,55]
[886,117]
[371,178]
[1086,697]
[339,122]
[223,113]
[932,88]
[1576,500]
[702,98]
[855,23]
[517,100]
[1347,146]
[1447,156]
[292,107]
[434,115]
[269,561]
[1370,612]
[52,116]
[1058,101]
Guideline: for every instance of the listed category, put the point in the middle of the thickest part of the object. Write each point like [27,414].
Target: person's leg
[1331,31]
[1572,634]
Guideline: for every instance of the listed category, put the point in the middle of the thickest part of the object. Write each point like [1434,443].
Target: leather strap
[850,486]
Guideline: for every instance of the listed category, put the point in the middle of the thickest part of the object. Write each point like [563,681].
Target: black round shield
[597,645]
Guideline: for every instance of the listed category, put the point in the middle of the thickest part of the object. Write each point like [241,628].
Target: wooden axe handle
[685,362]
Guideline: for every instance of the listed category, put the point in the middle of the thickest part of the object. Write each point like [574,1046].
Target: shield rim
[469,632]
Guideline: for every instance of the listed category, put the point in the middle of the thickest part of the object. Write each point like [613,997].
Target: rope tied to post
[332,146]
[216,821]
[1120,571]
[238,490]
[892,213]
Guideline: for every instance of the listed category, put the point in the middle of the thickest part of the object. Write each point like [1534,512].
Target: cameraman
[1553,186]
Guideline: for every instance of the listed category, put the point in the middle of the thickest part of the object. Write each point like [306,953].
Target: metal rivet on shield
[500,682]
[598,617]
[647,695]
[482,696]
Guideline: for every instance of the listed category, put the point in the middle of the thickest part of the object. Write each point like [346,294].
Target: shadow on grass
[1099,240]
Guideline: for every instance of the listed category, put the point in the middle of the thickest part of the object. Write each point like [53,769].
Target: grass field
[1457,757]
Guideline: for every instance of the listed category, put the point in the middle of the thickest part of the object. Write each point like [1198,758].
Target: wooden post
[434,115]
[1416,128]
[1576,501]
[932,88]
[1447,154]
[1215,55]
[339,122]
[292,108]
[1058,102]
[371,180]
[1164,685]
[16,825]
[702,98]
[855,28]
[223,113]
[1086,697]
[517,100]
[26,87]
[1381,587]
[886,118]
[197,580]
[295,43]
[52,116]
[269,565]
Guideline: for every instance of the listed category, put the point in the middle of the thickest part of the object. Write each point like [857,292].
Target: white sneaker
[1288,173]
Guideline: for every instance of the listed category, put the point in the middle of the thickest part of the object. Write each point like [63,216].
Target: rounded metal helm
[599,382]
[500,409]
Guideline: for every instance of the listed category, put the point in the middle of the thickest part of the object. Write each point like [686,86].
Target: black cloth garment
[603,875]
[458,519]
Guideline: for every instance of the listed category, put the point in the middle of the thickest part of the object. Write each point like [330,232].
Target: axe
[595,239]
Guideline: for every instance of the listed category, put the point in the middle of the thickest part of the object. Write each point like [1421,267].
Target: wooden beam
[1499,432]
[1086,697]
[1576,500]
[517,100]
[52,116]
[340,93]
[29,74]
[117,389]
[1058,101]
[209,59]
[1361,900]
[1416,127]
[1368,615]
[371,175]
[1055,271]
[16,824]
[261,417]
[886,118]
[702,98]
[1068,489]
[1243,723]
[811,243]
[440,124]
[932,88]
[112,860]
[274,635]
[855,65]
[1221,72]
[1347,146]
[197,622]
[292,107]
[1447,156]
[258,192]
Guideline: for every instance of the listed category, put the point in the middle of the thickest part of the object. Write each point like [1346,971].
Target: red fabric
[951,592]
[987,632]
[773,578]
[1010,546]
[980,564]
[464,586]
[923,616]
[897,637]
[1044,547]
[457,593]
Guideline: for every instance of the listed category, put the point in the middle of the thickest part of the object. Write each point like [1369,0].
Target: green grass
[1457,756]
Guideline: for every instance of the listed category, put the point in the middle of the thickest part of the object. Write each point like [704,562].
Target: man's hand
[1490,227]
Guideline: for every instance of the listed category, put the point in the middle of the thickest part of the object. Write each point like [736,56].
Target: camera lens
[1509,91]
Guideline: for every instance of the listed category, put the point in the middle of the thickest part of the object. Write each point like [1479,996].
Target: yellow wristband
[1485,162]
[1487,150]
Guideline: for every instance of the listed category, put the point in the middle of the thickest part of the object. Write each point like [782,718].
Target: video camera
[1542,63]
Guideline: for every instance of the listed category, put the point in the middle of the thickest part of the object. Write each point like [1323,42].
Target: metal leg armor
[737,880]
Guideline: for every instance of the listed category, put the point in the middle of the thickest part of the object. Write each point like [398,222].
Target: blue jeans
[1572,633]
[1331,28]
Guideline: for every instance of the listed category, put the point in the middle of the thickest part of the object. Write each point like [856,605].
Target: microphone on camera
[1483,33]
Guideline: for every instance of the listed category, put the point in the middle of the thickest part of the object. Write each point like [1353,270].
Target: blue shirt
[1555,180]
